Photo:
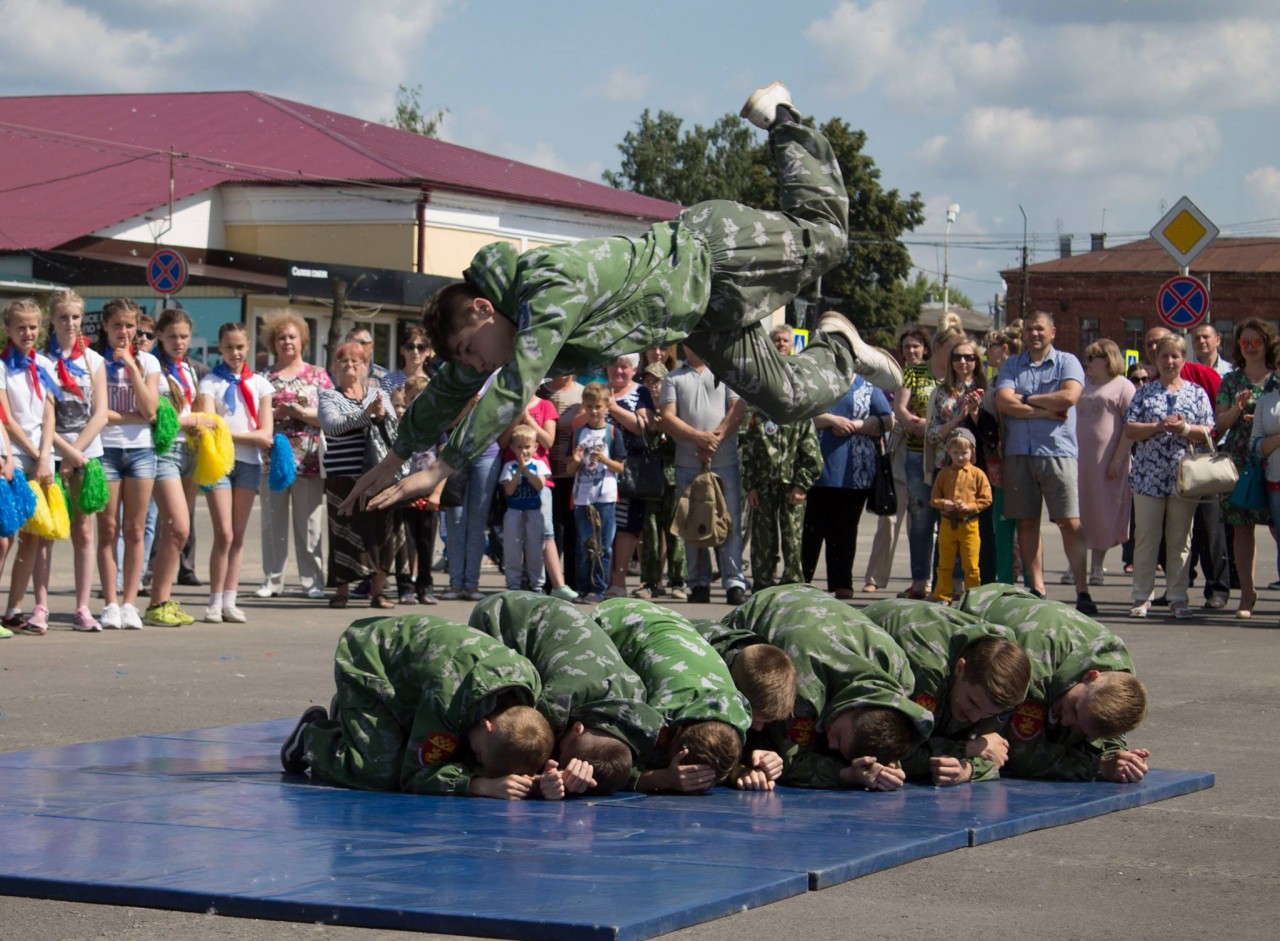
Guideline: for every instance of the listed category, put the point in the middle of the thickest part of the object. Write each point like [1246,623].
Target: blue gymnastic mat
[205,820]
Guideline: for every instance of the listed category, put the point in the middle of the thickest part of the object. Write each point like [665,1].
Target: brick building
[1111,291]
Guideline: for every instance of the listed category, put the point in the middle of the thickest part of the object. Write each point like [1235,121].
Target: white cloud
[1263,186]
[622,84]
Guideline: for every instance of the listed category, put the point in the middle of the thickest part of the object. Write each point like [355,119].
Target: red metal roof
[1224,255]
[74,164]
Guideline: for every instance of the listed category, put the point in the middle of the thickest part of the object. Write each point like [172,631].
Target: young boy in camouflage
[854,720]
[426,706]
[970,674]
[1083,697]
[687,682]
[593,700]
[707,278]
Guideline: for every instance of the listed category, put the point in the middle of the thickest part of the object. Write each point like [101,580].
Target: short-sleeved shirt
[72,412]
[595,483]
[1040,437]
[26,403]
[850,461]
[542,412]
[121,398]
[1154,470]
[215,387]
[524,497]
[567,401]
[701,403]
[918,380]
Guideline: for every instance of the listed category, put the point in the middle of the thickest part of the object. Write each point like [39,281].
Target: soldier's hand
[753,499]
[992,746]
[688,779]
[797,496]
[752,779]
[551,782]
[578,776]
[874,776]
[770,762]
[948,771]
[1124,767]
[513,787]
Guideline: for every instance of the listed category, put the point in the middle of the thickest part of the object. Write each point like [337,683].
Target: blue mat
[204,820]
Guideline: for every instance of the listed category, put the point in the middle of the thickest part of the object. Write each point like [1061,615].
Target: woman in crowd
[1137,375]
[357,418]
[1106,501]
[295,402]
[910,410]
[415,358]
[28,392]
[79,417]
[128,459]
[1254,350]
[847,434]
[243,399]
[175,489]
[631,410]
[1165,418]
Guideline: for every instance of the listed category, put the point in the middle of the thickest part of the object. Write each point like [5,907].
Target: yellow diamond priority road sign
[1184,232]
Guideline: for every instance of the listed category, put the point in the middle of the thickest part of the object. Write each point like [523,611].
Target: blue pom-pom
[283,468]
[9,521]
[23,498]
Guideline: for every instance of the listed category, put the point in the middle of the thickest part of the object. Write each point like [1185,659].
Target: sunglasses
[1138,380]
[1255,344]
[964,357]
[420,347]
[146,335]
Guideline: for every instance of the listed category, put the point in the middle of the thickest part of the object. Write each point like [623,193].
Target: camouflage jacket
[778,457]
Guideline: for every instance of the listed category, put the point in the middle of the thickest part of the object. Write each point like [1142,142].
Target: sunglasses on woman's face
[146,335]
[1251,343]
[420,347]
[964,357]
[1138,380]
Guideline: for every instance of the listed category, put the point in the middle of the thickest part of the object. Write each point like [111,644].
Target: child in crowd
[175,489]
[686,681]
[80,415]
[425,706]
[960,492]
[523,526]
[970,674]
[243,399]
[597,458]
[572,308]
[593,700]
[27,393]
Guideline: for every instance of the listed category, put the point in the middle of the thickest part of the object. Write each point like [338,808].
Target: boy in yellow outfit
[960,492]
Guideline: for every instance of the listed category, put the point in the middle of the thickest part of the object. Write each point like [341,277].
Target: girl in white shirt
[243,399]
[128,458]
[79,417]
[27,391]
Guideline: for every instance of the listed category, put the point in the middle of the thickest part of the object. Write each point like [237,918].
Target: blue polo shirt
[1040,437]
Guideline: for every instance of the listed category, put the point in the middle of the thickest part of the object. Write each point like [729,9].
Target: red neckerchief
[250,405]
[64,374]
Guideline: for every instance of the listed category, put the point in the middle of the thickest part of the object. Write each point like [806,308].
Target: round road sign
[167,271]
[1182,302]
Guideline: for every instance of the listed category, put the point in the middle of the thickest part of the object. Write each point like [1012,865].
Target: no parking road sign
[167,271]
[1183,302]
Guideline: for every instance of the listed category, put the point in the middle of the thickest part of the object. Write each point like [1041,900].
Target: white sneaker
[872,363]
[315,593]
[1098,578]
[268,589]
[213,614]
[233,614]
[111,617]
[761,108]
[130,619]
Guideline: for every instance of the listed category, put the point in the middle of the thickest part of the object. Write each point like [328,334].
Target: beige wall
[449,251]
[381,245]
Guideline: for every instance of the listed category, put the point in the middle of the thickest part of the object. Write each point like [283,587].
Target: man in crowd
[1206,341]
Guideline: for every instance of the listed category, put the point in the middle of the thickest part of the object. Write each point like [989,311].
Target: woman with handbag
[848,435]
[1254,353]
[359,427]
[1164,418]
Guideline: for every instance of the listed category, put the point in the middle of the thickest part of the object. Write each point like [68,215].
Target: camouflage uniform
[658,516]
[409,691]
[843,661]
[685,678]
[1063,645]
[933,637]
[583,676]
[706,278]
[775,459]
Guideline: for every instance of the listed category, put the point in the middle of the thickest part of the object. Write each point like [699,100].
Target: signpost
[167,271]
[1184,232]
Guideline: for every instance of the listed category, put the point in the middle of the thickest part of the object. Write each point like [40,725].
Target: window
[1133,332]
[1090,331]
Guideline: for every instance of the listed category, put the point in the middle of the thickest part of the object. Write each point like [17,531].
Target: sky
[1087,115]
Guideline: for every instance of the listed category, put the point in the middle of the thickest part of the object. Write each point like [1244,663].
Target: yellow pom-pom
[41,522]
[60,519]
[215,452]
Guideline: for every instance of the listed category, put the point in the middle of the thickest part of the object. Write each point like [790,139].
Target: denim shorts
[128,464]
[178,463]
[244,476]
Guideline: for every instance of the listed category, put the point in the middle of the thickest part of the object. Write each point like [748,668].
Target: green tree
[409,115]
[729,161]
[923,289]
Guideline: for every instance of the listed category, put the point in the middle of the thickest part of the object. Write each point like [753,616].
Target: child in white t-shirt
[596,460]
[243,399]
[523,528]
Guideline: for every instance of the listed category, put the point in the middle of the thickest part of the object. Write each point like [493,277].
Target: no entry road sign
[167,271]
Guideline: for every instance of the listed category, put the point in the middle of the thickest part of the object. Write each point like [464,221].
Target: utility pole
[1023,311]
[952,211]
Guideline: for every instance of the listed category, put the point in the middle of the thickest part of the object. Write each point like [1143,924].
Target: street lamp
[952,211]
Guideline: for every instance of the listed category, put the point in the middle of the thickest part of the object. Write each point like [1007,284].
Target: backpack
[702,515]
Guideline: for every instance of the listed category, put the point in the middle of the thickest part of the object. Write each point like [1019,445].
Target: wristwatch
[1024,396]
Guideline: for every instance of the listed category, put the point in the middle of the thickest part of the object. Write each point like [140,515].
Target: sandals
[381,603]
[1140,610]
[338,601]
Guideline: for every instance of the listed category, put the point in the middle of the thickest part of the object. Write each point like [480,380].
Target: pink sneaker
[38,623]
[84,621]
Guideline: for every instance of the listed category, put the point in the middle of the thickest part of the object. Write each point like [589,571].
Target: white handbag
[1206,474]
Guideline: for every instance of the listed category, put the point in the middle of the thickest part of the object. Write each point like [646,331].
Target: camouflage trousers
[658,515]
[760,261]
[774,521]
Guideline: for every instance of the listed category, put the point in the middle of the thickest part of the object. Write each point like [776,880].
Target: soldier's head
[610,756]
[884,733]
[710,742]
[991,677]
[463,326]
[1103,704]
[766,677]
[514,740]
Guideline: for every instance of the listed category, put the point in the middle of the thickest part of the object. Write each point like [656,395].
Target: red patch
[437,746]
[801,732]
[925,700]
[1027,720]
